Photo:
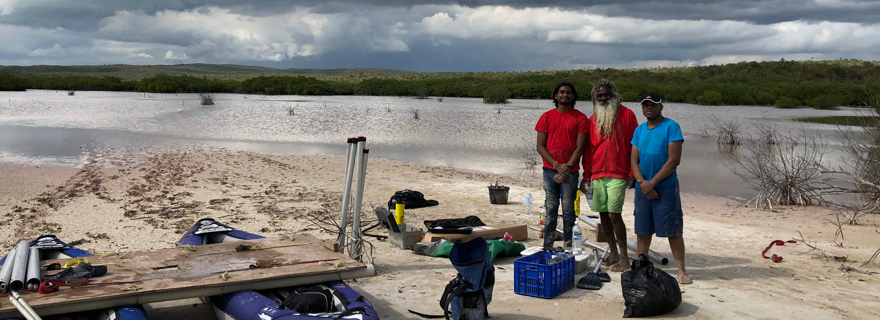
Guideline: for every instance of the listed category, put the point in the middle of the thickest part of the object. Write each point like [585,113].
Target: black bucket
[498,194]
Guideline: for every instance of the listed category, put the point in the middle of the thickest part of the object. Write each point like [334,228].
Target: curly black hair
[573,92]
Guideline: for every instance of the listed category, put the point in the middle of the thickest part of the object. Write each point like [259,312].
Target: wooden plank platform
[171,274]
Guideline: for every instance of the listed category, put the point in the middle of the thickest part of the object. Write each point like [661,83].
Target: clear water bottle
[529,204]
[577,238]
[589,194]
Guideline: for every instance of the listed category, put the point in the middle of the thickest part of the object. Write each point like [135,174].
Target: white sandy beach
[142,202]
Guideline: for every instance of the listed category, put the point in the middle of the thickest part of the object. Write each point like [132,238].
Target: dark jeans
[566,191]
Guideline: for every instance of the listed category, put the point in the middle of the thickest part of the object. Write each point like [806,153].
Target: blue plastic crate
[536,278]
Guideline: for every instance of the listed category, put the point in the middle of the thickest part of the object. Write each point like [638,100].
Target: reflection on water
[50,126]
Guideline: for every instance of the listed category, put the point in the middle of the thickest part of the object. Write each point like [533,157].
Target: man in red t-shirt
[607,168]
[562,139]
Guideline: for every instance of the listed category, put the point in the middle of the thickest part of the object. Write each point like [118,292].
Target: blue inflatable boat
[53,248]
[264,304]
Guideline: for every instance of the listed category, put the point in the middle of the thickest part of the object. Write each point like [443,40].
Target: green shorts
[608,195]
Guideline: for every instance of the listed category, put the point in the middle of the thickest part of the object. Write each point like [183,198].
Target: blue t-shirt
[653,147]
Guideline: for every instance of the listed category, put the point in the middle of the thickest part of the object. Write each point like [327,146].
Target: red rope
[775,258]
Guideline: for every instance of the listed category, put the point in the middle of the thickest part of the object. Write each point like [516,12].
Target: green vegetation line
[785,84]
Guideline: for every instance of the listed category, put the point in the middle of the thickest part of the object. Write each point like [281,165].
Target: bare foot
[684,278]
[611,259]
[621,266]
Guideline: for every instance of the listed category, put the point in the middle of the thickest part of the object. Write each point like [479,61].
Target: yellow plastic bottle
[398,213]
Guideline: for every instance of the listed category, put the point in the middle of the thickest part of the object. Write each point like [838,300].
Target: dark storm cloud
[85,14]
[435,35]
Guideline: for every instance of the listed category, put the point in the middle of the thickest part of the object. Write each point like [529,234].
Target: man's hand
[559,177]
[630,182]
[646,186]
[563,168]
[652,195]
[586,183]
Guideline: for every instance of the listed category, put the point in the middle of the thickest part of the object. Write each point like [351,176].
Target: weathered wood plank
[170,274]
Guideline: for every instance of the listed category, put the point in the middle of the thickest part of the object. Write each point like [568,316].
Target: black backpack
[315,299]
[410,199]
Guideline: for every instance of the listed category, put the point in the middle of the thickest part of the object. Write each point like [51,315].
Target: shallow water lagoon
[51,127]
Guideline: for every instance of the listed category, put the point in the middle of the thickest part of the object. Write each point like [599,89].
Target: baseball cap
[653,97]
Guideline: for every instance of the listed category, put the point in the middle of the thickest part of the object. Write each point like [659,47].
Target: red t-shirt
[562,130]
[609,158]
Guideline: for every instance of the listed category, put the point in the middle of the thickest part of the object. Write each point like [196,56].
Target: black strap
[373,227]
[350,311]
[428,316]
[446,299]
[377,236]
[453,289]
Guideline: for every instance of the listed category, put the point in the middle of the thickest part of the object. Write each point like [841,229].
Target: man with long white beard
[606,164]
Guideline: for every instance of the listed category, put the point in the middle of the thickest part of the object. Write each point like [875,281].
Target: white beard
[606,116]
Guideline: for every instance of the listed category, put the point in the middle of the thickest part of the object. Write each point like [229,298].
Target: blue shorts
[662,216]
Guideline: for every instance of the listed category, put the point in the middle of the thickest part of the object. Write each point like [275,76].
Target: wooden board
[171,274]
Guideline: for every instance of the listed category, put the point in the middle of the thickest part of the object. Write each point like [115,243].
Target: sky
[436,35]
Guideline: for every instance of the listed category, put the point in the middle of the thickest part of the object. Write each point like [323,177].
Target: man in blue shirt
[655,155]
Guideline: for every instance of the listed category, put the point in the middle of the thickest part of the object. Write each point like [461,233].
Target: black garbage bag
[454,226]
[648,291]
[410,199]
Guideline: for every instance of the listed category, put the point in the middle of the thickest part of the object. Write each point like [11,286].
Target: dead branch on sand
[839,232]
[786,172]
[327,222]
[812,246]
[528,155]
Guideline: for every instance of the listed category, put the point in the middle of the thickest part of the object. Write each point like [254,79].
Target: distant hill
[211,71]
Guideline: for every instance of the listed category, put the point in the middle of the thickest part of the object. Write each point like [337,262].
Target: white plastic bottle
[577,237]
[529,204]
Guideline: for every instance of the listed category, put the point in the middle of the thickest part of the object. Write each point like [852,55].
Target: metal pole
[6,272]
[346,193]
[19,270]
[358,200]
[359,161]
[632,245]
[33,269]
[23,307]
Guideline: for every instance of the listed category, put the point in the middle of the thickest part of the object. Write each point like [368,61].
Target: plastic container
[498,194]
[534,276]
[529,204]
[577,237]
[543,216]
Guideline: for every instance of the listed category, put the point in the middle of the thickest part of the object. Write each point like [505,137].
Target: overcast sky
[436,35]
